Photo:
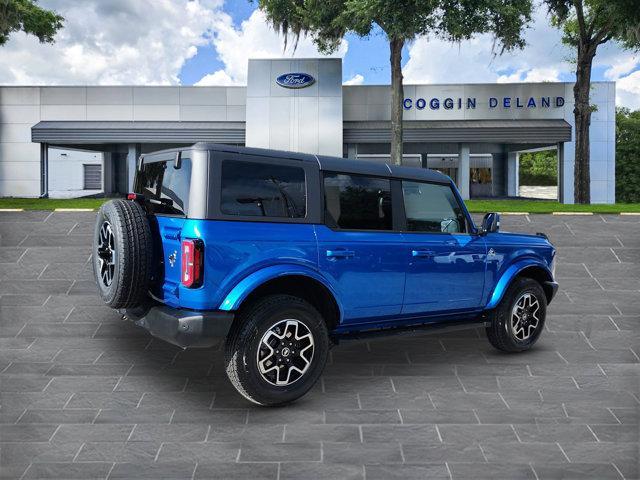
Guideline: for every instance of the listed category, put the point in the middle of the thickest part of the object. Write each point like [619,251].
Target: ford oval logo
[295,80]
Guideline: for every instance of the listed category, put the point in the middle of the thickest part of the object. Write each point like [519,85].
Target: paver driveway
[85,394]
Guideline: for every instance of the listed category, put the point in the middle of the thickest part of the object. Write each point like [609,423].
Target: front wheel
[518,321]
[276,350]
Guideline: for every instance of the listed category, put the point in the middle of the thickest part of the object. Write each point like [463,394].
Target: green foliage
[475,206]
[627,155]
[597,21]
[28,17]
[327,21]
[539,168]
[546,206]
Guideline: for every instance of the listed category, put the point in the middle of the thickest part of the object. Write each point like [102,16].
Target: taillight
[192,262]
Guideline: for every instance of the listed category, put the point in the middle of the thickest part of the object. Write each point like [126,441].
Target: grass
[545,206]
[50,203]
[474,206]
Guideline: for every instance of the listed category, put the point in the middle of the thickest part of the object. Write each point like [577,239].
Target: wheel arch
[298,281]
[529,268]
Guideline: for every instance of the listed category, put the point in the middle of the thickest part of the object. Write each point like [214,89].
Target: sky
[208,42]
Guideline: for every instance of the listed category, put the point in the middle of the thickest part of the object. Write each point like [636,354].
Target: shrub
[627,156]
[539,168]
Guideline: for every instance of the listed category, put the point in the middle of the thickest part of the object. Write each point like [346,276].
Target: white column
[513,164]
[463,170]
[566,161]
[352,151]
[133,153]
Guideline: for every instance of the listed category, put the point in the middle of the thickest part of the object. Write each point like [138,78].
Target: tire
[122,253]
[507,333]
[245,350]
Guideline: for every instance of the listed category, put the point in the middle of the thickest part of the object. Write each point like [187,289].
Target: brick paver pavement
[87,395]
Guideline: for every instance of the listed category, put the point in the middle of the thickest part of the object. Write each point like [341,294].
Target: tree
[539,168]
[328,21]
[627,156]
[28,17]
[587,24]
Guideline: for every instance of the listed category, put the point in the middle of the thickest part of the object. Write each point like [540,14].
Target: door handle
[451,242]
[423,253]
[340,253]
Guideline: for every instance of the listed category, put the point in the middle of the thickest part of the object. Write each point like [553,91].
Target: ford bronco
[282,255]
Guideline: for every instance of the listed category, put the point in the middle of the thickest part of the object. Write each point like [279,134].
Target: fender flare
[248,284]
[512,272]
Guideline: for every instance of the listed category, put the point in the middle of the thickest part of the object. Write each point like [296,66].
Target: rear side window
[432,208]
[165,188]
[356,202]
[263,190]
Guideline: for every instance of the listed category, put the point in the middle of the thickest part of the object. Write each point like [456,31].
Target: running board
[435,327]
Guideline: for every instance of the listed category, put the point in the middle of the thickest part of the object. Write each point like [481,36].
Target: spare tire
[122,253]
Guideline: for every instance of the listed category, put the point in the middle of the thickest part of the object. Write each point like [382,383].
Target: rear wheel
[122,252]
[276,350]
[518,321]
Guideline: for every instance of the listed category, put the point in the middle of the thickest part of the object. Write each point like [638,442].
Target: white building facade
[473,132]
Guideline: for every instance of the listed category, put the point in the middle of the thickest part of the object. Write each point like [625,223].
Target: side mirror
[177,162]
[491,223]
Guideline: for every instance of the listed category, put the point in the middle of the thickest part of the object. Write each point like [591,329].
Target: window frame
[470,228]
[166,157]
[396,197]
[215,187]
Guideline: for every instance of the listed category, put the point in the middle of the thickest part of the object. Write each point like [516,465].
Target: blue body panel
[168,230]
[377,278]
[235,250]
[512,253]
[446,272]
[367,270]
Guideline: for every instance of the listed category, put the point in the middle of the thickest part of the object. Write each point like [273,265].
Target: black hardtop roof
[327,163]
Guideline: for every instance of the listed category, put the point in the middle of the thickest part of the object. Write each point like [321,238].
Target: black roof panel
[338,164]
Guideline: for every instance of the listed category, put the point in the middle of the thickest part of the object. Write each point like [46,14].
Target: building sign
[295,80]
[469,103]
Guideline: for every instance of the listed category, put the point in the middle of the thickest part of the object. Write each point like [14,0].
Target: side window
[263,190]
[356,202]
[165,188]
[432,208]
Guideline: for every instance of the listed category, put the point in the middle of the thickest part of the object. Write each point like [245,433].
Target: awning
[137,132]
[437,131]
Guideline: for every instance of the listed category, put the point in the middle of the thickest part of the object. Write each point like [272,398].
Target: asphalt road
[87,395]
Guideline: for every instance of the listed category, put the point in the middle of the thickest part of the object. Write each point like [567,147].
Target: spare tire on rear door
[122,252]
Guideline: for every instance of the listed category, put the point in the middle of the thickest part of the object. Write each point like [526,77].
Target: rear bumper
[184,328]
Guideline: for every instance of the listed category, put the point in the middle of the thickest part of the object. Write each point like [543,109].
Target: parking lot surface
[85,394]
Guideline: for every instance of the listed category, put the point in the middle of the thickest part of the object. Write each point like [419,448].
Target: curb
[73,210]
[571,213]
[513,213]
[11,209]
[630,213]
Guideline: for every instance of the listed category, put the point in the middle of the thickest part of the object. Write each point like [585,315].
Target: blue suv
[284,254]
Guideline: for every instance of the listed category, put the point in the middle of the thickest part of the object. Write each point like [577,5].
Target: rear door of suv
[165,184]
[360,247]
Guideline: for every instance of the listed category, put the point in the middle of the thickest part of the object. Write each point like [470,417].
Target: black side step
[435,327]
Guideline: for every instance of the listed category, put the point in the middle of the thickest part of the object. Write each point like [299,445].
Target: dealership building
[83,140]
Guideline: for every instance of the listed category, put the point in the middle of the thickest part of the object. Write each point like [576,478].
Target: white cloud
[253,39]
[531,75]
[622,65]
[114,42]
[545,58]
[219,77]
[436,61]
[628,91]
[357,79]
